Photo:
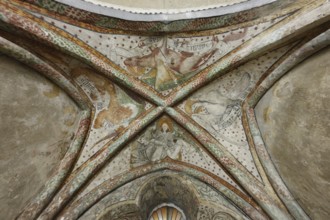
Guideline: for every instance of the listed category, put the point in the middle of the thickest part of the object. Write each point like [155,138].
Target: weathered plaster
[38,121]
[294,120]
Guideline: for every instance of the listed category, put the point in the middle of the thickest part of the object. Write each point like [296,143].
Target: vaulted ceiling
[212,110]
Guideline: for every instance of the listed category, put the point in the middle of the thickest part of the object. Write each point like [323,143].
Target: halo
[165,120]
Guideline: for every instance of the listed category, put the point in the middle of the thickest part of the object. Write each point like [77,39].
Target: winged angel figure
[167,64]
[158,142]
[220,108]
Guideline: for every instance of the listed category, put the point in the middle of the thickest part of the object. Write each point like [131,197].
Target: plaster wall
[37,121]
[294,118]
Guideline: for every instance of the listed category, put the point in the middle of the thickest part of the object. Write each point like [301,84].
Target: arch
[243,202]
[168,189]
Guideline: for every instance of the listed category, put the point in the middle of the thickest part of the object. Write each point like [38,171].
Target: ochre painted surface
[294,118]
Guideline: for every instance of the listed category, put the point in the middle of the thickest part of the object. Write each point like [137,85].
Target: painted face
[165,127]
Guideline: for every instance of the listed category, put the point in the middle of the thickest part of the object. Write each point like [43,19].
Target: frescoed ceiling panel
[163,62]
[163,139]
[217,107]
[114,109]
[167,111]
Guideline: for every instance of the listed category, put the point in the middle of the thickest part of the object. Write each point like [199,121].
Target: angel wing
[231,113]
[237,92]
